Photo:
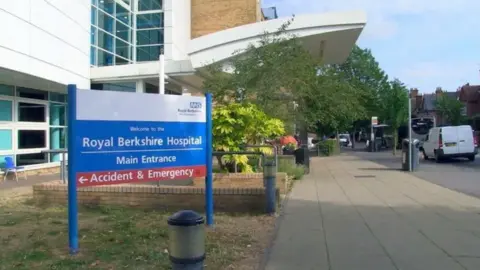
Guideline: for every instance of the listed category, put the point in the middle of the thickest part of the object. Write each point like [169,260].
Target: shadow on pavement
[380,169]
[351,233]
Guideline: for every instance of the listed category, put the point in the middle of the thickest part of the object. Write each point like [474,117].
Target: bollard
[269,180]
[62,171]
[187,240]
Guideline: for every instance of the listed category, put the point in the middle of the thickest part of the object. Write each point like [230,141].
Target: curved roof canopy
[330,36]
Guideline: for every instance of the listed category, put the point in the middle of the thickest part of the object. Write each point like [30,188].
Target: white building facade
[115,45]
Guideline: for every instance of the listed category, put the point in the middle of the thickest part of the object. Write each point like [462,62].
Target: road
[460,174]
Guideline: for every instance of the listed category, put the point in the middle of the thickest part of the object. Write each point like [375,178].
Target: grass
[119,238]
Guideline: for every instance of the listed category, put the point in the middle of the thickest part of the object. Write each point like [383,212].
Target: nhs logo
[195,105]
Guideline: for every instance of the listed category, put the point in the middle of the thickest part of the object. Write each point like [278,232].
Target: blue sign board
[118,137]
[129,137]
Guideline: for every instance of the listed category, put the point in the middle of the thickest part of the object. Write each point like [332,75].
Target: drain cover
[364,176]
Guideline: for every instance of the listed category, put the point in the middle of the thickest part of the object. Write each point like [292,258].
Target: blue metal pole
[72,181]
[209,152]
[269,175]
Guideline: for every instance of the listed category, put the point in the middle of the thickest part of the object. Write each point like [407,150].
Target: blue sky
[424,43]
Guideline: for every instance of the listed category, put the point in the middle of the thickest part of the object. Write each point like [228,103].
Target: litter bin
[406,155]
[302,157]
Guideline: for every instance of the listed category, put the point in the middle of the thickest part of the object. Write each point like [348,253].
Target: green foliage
[394,111]
[275,74]
[237,124]
[451,109]
[295,171]
[283,79]
[329,147]
[363,73]
[335,104]
[395,104]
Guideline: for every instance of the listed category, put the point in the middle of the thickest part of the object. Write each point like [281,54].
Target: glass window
[153,20]
[121,49]
[105,41]
[105,22]
[151,89]
[93,15]
[123,14]
[94,2]
[31,159]
[107,5]
[2,160]
[31,112]
[7,90]
[31,93]
[146,37]
[5,139]
[120,86]
[6,110]
[57,114]
[58,137]
[93,35]
[58,97]
[149,5]
[104,58]
[123,31]
[29,139]
[120,61]
[148,53]
[93,57]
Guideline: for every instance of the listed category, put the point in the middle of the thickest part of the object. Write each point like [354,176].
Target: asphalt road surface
[457,174]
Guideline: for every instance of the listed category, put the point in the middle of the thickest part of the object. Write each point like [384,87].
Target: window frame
[32,150]
[31,101]
[12,100]
[11,151]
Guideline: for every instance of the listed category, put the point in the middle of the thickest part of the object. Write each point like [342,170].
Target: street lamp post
[410,133]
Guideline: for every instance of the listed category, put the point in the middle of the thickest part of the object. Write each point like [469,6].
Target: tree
[363,73]
[395,107]
[275,74]
[278,75]
[335,104]
[236,124]
[450,108]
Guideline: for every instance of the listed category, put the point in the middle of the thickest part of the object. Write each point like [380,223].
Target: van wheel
[471,157]
[425,157]
[437,157]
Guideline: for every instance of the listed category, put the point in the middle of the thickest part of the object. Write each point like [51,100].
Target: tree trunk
[338,140]
[220,162]
[353,138]
[395,140]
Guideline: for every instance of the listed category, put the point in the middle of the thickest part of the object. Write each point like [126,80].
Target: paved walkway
[353,214]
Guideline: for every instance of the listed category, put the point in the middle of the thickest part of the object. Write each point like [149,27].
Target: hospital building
[116,44]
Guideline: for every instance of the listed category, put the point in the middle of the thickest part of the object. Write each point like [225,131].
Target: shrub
[295,171]
[237,124]
[329,147]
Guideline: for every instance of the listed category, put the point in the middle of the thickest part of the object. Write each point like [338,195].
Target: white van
[450,142]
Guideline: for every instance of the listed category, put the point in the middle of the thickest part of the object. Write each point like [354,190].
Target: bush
[329,147]
[295,171]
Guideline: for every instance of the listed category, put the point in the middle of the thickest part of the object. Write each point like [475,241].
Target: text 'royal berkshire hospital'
[115,45]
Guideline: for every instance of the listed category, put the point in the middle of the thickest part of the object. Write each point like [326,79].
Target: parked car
[344,139]
[449,142]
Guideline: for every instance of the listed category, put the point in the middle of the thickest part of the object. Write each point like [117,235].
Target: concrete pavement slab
[355,214]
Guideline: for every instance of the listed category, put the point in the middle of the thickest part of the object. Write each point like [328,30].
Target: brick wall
[230,200]
[246,179]
[210,16]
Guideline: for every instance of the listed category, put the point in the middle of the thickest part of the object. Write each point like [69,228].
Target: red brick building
[470,95]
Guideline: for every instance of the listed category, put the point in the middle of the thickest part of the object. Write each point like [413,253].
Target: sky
[424,43]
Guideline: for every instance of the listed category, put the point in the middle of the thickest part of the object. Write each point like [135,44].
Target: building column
[55,133]
[140,87]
